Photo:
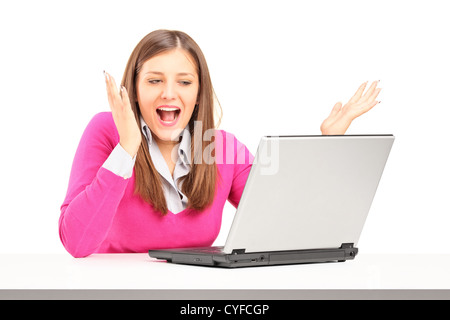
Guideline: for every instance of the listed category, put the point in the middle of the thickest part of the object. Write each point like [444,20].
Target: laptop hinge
[343,246]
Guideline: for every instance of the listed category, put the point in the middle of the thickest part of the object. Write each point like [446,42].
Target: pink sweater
[101,213]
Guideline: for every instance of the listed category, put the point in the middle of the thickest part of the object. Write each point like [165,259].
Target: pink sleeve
[241,159]
[94,193]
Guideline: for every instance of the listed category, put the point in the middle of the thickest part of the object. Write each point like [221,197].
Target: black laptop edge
[238,258]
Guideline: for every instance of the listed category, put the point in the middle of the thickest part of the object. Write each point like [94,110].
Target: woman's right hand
[129,133]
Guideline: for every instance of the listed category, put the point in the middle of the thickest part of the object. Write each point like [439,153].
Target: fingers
[369,103]
[362,102]
[114,97]
[369,106]
[337,107]
[125,97]
[359,97]
[374,95]
[370,92]
[358,93]
[111,85]
[110,90]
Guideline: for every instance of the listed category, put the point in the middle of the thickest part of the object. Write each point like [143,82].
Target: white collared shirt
[121,163]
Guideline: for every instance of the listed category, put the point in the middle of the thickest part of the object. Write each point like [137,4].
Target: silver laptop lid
[308,192]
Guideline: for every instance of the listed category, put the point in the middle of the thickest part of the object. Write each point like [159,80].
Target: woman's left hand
[341,117]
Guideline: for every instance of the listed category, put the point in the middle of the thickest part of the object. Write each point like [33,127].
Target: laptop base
[201,256]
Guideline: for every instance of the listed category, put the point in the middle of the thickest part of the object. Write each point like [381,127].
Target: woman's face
[167,90]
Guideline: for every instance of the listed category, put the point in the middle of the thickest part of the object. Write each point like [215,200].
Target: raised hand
[129,133]
[341,117]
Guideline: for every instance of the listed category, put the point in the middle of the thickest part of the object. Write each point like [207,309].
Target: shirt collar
[145,129]
[184,148]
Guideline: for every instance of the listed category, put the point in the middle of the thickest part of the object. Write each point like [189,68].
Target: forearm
[85,221]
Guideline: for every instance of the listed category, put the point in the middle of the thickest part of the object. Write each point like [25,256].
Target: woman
[154,173]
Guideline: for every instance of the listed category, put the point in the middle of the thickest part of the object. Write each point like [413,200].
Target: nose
[168,92]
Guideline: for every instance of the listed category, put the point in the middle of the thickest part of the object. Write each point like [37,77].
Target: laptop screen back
[308,192]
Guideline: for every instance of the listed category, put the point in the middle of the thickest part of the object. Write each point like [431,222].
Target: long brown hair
[199,184]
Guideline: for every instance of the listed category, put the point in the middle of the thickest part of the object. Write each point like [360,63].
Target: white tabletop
[368,273]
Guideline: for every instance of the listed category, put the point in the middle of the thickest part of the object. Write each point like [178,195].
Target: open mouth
[168,115]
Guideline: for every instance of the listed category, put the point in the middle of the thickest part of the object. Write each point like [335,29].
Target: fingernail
[106,75]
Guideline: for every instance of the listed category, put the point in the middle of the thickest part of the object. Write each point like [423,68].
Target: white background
[278,67]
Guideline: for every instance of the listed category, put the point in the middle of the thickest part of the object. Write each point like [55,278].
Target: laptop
[306,200]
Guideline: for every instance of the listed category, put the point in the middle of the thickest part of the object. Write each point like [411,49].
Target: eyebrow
[178,74]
